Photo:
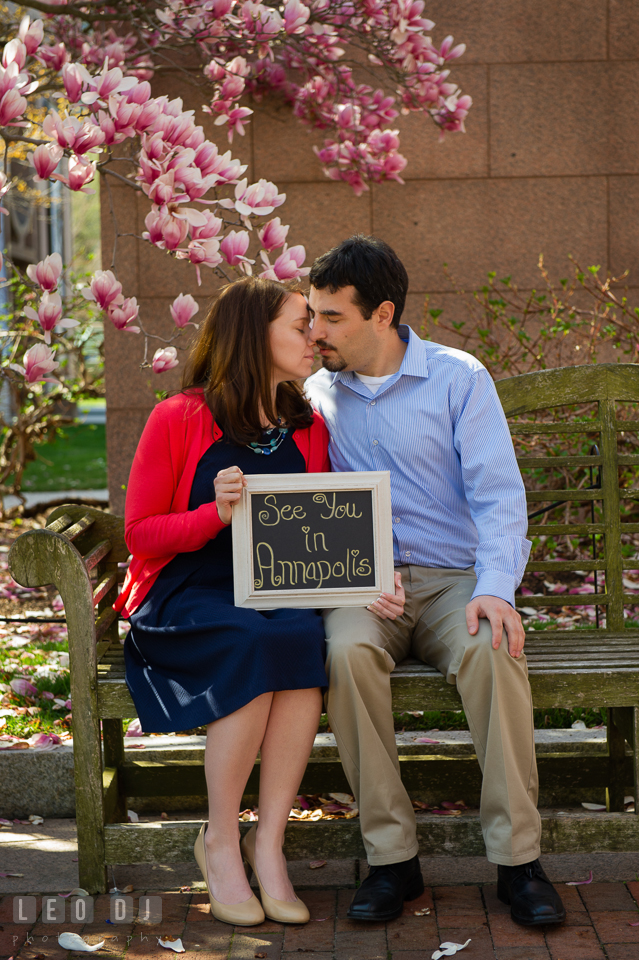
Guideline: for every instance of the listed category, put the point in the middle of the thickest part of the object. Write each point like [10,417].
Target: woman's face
[291,346]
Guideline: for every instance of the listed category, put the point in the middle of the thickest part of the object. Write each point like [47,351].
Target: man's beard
[332,364]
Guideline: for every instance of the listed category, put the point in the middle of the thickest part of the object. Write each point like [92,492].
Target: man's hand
[389,606]
[502,617]
[228,490]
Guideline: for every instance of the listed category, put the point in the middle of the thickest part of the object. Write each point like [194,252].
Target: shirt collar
[414,363]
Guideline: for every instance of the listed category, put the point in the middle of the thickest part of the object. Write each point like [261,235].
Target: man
[429,414]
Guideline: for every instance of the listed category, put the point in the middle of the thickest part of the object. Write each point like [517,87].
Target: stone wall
[549,164]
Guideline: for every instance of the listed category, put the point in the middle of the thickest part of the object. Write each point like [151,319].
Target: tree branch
[118,176]
[70,10]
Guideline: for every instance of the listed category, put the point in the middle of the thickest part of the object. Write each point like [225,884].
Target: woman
[193,658]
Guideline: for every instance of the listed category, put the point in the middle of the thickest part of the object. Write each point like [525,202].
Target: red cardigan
[157,522]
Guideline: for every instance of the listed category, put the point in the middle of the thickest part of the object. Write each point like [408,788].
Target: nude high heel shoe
[247,913]
[283,911]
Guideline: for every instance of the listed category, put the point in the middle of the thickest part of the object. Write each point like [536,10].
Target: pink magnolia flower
[38,361]
[204,253]
[162,191]
[235,117]
[54,57]
[452,115]
[104,289]
[239,66]
[88,137]
[295,16]
[12,106]
[183,309]
[226,169]
[232,87]
[45,159]
[259,199]
[288,265]
[164,358]
[174,232]
[14,51]
[47,272]
[64,131]
[273,234]
[261,20]
[123,314]
[74,78]
[153,223]
[31,34]
[448,52]
[214,71]
[23,688]
[49,315]
[106,83]
[234,246]
[210,228]
[80,172]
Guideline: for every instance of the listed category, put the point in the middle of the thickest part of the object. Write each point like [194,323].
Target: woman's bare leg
[290,732]
[232,744]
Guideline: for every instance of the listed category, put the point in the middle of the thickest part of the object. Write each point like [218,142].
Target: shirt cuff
[495,584]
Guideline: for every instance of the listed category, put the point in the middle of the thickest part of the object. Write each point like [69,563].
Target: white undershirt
[373,383]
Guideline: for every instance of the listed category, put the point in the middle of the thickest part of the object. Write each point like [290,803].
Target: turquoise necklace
[271,445]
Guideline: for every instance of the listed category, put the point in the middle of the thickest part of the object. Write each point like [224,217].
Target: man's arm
[497,501]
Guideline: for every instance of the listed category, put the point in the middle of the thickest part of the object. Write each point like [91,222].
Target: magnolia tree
[346,67]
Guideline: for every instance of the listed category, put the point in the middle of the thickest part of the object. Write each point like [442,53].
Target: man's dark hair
[369,265]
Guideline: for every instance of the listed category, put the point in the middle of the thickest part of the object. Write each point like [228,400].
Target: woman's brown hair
[231,361]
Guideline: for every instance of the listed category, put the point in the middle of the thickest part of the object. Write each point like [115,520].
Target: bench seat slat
[575,426]
[550,496]
[551,463]
[553,566]
[564,600]
[581,529]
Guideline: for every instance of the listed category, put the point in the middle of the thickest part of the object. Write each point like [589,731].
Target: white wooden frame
[378,482]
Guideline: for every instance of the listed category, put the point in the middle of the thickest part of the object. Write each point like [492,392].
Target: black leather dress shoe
[382,894]
[531,896]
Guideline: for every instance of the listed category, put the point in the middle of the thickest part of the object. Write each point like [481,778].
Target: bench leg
[635,754]
[615,791]
[113,746]
[89,803]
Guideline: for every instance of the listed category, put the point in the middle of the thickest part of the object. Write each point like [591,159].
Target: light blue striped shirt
[438,426]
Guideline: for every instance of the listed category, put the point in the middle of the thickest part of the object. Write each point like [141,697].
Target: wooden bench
[79,552]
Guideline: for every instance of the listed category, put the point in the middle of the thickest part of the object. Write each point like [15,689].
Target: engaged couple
[384,400]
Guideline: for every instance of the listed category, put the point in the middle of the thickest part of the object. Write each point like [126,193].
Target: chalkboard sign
[313,540]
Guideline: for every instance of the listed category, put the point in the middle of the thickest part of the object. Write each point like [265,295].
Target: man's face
[346,340]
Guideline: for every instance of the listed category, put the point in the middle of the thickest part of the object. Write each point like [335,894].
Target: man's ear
[384,314]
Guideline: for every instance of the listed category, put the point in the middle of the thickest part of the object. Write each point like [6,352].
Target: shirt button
[408,553]
[397,519]
[373,402]
[375,442]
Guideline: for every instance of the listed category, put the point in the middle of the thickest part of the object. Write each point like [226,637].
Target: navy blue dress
[191,655]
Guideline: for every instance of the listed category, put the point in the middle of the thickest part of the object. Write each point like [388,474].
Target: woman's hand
[389,606]
[228,490]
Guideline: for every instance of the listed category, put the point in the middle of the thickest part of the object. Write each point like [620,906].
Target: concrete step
[41,781]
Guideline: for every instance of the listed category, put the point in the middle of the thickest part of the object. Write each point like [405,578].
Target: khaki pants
[494,688]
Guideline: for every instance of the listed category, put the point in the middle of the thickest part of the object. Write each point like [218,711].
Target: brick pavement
[599,927]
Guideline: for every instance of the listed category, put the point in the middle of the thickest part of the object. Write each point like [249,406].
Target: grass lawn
[76,460]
